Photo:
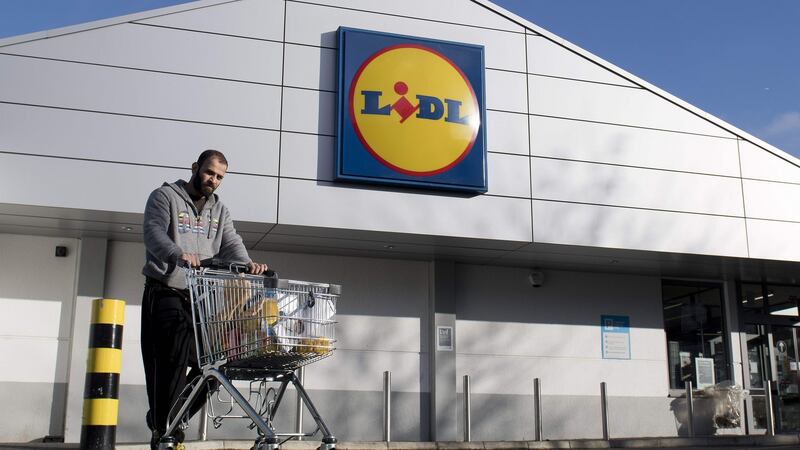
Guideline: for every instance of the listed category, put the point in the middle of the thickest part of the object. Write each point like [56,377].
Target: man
[184,223]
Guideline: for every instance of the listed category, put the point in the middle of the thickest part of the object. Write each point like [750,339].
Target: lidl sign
[411,112]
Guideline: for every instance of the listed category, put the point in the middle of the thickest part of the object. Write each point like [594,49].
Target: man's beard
[198,187]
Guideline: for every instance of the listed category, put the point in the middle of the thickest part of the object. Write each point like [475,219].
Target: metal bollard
[690,407]
[203,432]
[298,418]
[467,401]
[537,410]
[387,406]
[101,389]
[770,411]
[604,409]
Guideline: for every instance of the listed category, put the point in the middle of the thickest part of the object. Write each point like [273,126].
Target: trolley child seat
[261,329]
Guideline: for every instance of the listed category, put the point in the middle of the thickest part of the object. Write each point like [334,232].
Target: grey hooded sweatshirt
[173,226]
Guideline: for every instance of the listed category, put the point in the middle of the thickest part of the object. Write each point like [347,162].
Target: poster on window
[704,371]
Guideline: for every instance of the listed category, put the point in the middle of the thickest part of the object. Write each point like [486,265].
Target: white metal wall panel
[506,91]
[309,111]
[317,25]
[545,57]
[80,86]
[307,156]
[260,19]
[508,175]
[770,200]
[165,49]
[86,185]
[613,104]
[452,11]
[363,371]
[770,239]
[111,137]
[483,217]
[613,227]
[587,141]
[571,181]
[313,158]
[507,132]
[310,67]
[760,164]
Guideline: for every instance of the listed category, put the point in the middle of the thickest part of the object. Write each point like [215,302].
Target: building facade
[615,214]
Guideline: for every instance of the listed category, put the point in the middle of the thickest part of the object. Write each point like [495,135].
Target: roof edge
[741,134]
[102,23]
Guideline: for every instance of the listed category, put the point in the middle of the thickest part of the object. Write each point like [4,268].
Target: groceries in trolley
[264,321]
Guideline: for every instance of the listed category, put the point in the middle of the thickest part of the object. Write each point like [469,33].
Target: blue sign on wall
[411,112]
[616,336]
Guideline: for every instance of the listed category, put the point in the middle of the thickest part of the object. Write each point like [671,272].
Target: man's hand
[257,268]
[190,259]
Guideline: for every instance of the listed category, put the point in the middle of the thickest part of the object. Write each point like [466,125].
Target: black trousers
[168,351]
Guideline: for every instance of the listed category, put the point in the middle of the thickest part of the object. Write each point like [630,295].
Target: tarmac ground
[782,442]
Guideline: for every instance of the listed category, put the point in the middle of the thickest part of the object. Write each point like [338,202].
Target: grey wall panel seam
[744,203]
[584,58]
[68,220]
[581,80]
[356,185]
[522,33]
[280,120]
[213,33]
[640,127]
[139,69]
[140,116]
[630,166]
[530,137]
[123,163]
[763,180]
[641,208]
[389,240]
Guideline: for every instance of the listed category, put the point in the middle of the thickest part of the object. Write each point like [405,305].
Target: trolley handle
[220,264]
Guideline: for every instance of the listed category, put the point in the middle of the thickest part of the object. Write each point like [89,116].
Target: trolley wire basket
[257,328]
[251,321]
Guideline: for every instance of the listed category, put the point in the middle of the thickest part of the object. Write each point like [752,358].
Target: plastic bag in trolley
[304,319]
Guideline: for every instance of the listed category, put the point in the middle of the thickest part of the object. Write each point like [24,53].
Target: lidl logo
[410,112]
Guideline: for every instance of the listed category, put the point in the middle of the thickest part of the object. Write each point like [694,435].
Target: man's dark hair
[210,153]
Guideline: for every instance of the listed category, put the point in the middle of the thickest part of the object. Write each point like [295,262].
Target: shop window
[697,348]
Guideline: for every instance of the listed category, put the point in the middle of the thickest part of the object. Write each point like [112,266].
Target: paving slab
[412,445]
[589,443]
[547,444]
[459,445]
[505,445]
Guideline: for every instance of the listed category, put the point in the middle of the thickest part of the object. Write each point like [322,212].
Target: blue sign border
[353,161]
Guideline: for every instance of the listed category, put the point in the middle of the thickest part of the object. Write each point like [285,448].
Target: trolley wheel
[266,443]
[169,443]
[328,443]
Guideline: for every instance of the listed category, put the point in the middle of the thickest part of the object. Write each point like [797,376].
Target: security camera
[536,278]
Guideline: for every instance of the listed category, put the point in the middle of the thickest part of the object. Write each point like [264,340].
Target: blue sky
[736,59]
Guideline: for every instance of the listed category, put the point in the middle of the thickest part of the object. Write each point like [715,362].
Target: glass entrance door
[772,354]
[787,384]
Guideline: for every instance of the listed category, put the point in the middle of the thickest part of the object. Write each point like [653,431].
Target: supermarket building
[623,204]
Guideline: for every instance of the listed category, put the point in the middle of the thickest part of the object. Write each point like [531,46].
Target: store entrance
[772,353]
[771,316]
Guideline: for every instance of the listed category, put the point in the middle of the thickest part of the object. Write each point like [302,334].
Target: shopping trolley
[261,329]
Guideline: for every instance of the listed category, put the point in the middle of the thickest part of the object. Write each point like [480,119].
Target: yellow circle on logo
[414,110]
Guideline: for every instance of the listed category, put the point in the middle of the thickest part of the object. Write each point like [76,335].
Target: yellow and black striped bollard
[101,392]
